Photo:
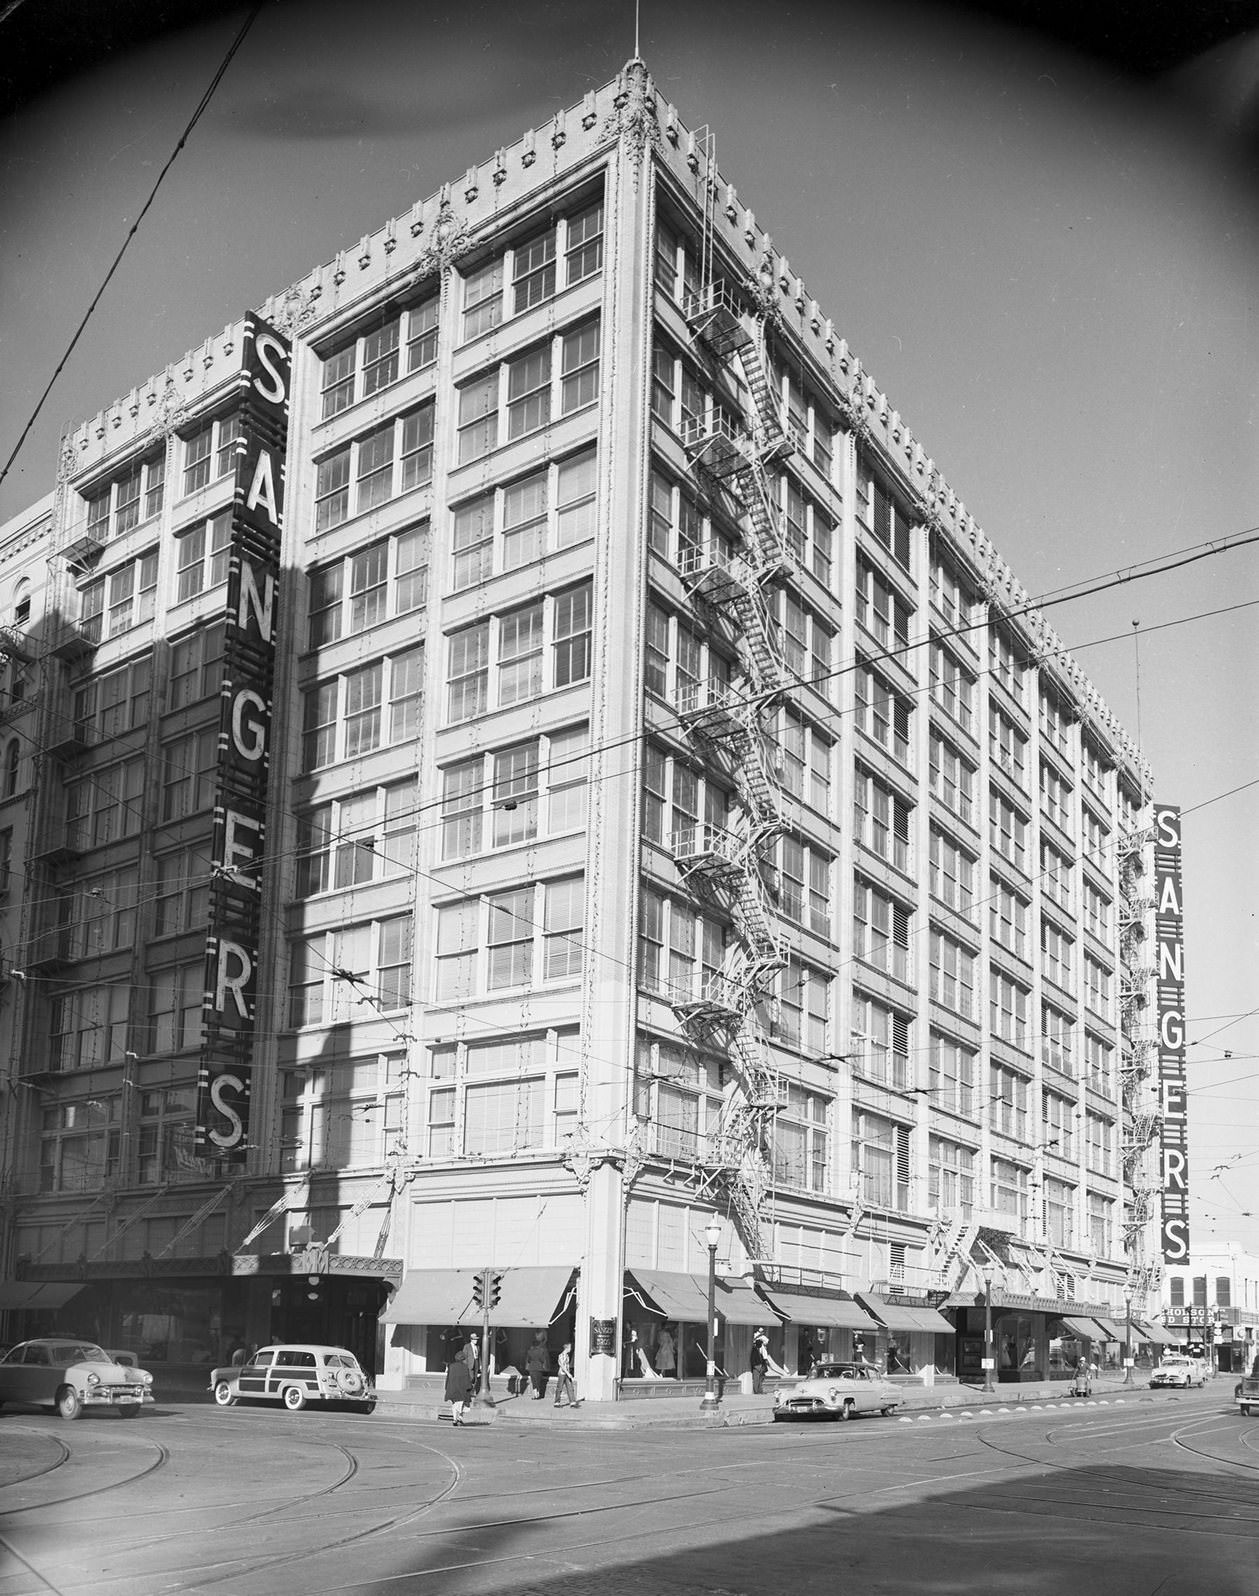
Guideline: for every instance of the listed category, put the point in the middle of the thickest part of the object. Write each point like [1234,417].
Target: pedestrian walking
[537,1365]
[458,1388]
[564,1382]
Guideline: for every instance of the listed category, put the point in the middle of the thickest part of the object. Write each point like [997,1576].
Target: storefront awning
[1162,1334]
[685,1297]
[821,1313]
[900,1316]
[34,1294]
[529,1298]
[1110,1330]
[1084,1329]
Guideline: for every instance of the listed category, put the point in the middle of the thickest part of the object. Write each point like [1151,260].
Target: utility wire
[202,105]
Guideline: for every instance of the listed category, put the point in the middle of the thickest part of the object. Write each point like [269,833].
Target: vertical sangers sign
[1169,937]
[224,1078]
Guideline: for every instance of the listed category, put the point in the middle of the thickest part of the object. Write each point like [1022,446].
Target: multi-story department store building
[515,748]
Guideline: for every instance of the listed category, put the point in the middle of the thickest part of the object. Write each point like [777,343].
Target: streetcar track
[162,1458]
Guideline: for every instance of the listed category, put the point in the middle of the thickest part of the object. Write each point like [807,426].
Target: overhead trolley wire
[202,105]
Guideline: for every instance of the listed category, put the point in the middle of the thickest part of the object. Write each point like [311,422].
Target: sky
[1043,246]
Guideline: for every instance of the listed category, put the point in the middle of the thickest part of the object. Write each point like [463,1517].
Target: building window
[533,269]
[880,1043]
[181,891]
[1058,1124]
[881,515]
[1097,981]
[1056,719]
[345,1116]
[1055,876]
[114,703]
[525,394]
[880,930]
[952,874]
[390,460]
[1056,951]
[881,1160]
[369,587]
[1057,1039]
[1008,919]
[952,1075]
[175,999]
[801,1019]
[195,667]
[953,687]
[950,1176]
[1005,662]
[952,779]
[1101,1224]
[129,592]
[210,452]
[166,1147]
[510,939]
[515,794]
[1008,1093]
[513,525]
[1097,911]
[535,648]
[1099,1063]
[881,609]
[950,595]
[1007,1009]
[346,717]
[952,974]
[366,836]
[373,360]
[1007,747]
[127,501]
[1055,797]
[80,1143]
[332,974]
[494,1097]
[190,771]
[883,713]
[881,819]
[1007,831]
[88,1027]
[202,554]
[103,914]
[800,1144]
[1094,768]
[105,806]
[1009,1190]
[1096,836]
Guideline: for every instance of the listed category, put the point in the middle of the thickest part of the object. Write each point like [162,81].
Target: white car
[72,1375]
[1178,1370]
[296,1374]
[837,1391]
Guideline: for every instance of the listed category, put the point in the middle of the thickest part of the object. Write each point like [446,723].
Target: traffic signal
[478,1288]
[494,1282]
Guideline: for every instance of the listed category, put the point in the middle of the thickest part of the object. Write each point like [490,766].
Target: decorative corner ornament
[582,1160]
[632,119]
[295,310]
[170,409]
[450,241]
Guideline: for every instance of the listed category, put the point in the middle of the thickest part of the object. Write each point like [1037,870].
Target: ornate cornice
[632,119]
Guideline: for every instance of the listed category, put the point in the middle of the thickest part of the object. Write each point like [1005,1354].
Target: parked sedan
[1181,1372]
[837,1391]
[295,1374]
[72,1376]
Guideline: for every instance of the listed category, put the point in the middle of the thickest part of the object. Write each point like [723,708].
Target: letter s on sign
[218,1086]
[269,350]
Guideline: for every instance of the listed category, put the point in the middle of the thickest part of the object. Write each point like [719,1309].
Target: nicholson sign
[224,1078]
[1169,940]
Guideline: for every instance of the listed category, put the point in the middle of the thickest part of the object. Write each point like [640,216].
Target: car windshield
[78,1352]
[838,1371]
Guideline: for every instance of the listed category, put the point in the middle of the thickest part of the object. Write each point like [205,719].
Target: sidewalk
[683,1411]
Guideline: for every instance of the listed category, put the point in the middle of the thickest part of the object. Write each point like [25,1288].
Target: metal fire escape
[729,722]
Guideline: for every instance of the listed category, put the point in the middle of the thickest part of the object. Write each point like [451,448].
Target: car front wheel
[847,1410]
[294,1398]
[223,1394]
[69,1403]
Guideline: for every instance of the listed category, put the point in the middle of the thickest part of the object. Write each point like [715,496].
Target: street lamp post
[988,1357]
[711,1401]
[1127,1339]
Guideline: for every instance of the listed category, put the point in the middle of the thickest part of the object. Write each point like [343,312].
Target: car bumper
[114,1396]
[806,1407]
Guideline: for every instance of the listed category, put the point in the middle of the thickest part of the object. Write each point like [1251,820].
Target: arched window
[12,758]
[22,602]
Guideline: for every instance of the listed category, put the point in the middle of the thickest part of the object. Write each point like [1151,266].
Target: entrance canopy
[529,1298]
[900,1316]
[37,1293]
[685,1297]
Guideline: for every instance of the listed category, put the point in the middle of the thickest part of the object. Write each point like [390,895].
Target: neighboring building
[1214,1302]
[672,804]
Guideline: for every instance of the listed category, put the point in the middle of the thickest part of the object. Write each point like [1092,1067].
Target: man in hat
[758,1361]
